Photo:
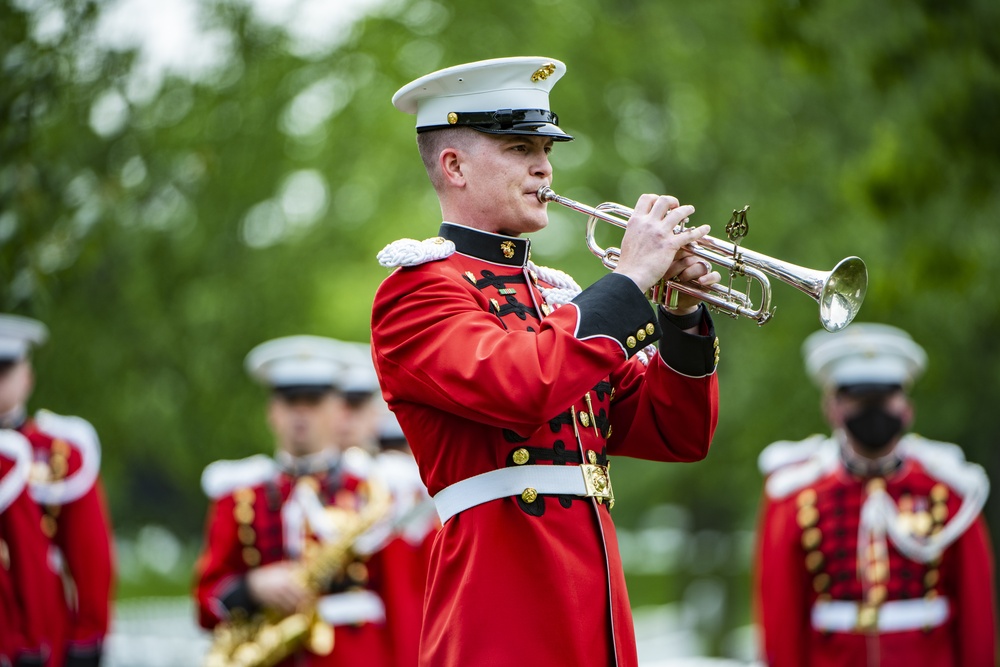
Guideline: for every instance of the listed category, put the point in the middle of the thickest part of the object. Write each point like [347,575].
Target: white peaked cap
[863,354]
[297,361]
[499,96]
[18,335]
[359,374]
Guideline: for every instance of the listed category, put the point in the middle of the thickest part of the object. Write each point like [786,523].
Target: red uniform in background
[484,373]
[258,518]
[819,607]
[66,485]
[872,551]
[31,599]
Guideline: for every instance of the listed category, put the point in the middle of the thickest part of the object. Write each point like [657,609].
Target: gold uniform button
[630,341]
[495,304]
[807,497]
[811,537]
[821,582]
[244,513]
[814,561]
[546,309]
[48,526]
[529,495]
[60,447]
[4,555]
[807,517]
[244,495]
[251,556]
[640,335]
[521,456]
[471,277]
[584,419]
[357,571]
[931,578]
[452,117]
[650,329]
[58,465]
[246,535]
[939,512]
[939,493]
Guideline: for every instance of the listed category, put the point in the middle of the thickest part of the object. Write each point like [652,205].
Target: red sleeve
[658,404]
[84,536]
[781,598]
[220,569]
[974,602]
[434,338]
[31,600]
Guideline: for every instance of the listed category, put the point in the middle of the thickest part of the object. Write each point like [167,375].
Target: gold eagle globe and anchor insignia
[543,72]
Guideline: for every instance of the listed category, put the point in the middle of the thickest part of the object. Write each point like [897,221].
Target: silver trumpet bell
[839,292]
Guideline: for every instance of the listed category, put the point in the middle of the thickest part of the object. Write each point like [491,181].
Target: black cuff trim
[685,321]
[29,661]
[689,354]
[90,660]
[615,307]
[238,598]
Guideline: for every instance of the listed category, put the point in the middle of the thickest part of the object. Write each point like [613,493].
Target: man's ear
[451,161]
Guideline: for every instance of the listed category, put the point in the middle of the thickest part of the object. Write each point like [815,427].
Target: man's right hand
[650,246]
[278,586]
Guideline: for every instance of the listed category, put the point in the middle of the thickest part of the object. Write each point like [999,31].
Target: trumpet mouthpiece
[544,194]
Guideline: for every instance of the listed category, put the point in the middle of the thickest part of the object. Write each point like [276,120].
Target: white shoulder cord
[880,515]
[410,252]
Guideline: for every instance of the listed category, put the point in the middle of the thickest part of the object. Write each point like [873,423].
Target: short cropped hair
[430,144]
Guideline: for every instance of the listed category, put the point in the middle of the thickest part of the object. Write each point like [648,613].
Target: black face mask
[873,428]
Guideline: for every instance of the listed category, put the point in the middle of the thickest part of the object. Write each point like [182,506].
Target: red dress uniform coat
[894,611]
[483,374]
[249,526]
[31,600]
[75,517]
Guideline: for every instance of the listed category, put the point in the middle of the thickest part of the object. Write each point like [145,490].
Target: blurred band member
[65,483]
[31,595]
[271,516]
[872,549]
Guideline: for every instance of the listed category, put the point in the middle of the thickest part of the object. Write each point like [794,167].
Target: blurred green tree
[164,222]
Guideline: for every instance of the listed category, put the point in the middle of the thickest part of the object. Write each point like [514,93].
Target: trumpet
[839,292]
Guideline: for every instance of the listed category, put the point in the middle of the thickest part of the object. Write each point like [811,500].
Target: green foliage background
[208,214]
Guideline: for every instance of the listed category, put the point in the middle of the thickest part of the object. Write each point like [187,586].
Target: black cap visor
[508,121]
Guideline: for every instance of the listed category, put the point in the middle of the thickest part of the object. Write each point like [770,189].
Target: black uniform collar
[14,419]
[311,464]
[495,248]
[864,467]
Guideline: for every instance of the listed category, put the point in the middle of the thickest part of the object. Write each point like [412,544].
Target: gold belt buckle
[597,480]
[867,618]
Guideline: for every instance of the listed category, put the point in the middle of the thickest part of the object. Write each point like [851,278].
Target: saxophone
[267,638]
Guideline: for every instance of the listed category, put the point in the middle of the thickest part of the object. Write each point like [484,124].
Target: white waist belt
[351,608]
[893,616]
[587,480]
